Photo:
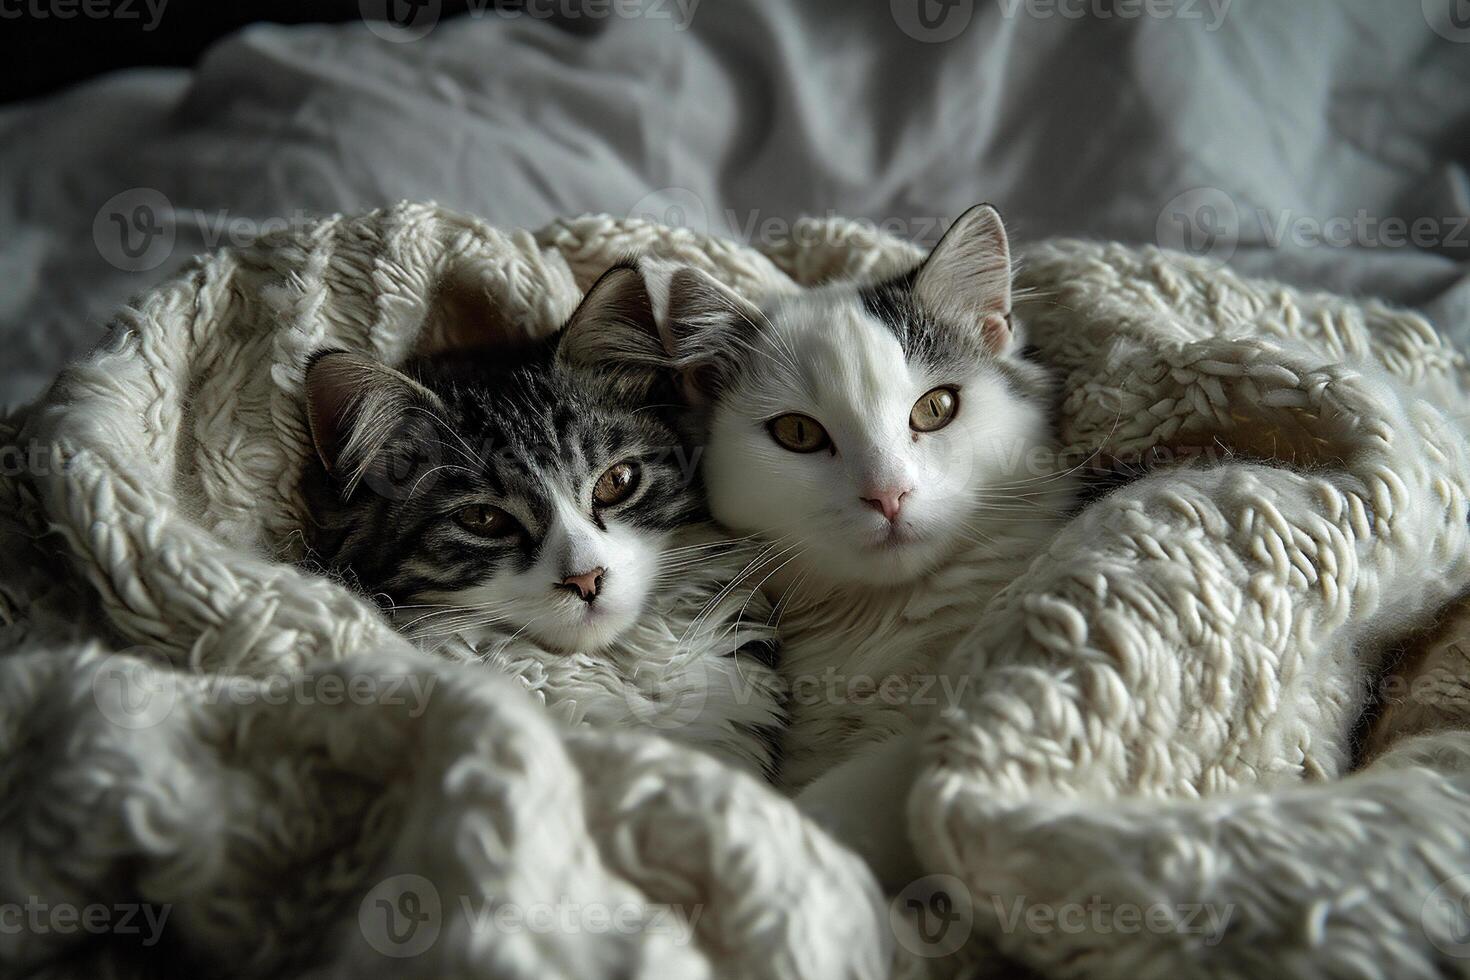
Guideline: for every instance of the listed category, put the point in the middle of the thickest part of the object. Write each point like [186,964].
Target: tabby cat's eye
[934,410]
[799,433]
[486,521]
[616,485]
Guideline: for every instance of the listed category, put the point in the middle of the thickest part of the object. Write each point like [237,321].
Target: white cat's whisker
[709,545]
[1024,507]
[762,583]
[725,591]
[720,596]
[787,600]
[469,454]
[1048,478]
[430,472]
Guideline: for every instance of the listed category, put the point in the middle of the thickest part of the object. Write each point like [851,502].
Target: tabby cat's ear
[358,408]
[614,334]
[707,327]
[968,276]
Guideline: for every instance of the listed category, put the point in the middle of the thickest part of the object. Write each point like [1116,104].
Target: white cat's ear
[613,332]
[704,324]
[356,407]
[968,276]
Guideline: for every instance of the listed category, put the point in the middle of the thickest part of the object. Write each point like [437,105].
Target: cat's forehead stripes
[529,437]
[532,428]
[924,337]
[549,435]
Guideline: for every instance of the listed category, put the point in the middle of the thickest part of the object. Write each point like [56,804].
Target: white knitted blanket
[210,757]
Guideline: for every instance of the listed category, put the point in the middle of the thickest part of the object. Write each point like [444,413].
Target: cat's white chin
[895,538]
[896,562]
[578,627]
[887,557]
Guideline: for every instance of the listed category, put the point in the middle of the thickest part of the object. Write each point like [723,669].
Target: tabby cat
[526,507]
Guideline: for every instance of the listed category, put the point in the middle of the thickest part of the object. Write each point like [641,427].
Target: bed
[1137,743]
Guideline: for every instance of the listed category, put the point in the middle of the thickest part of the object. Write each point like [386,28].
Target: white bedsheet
[1303,121]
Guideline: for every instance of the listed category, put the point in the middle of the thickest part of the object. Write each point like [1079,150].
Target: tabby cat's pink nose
[585,584]
[888,502]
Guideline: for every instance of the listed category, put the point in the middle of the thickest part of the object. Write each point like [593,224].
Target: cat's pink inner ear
[354,404]
[613,333]
[996,333]
[970,269]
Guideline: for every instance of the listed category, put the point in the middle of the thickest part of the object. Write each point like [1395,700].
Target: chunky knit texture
[1166,709]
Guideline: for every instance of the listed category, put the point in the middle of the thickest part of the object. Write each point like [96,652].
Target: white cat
[896,451]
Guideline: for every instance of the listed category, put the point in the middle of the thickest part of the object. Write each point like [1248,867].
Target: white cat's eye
[935,409]
[486,521]
[616,485]
[798,433]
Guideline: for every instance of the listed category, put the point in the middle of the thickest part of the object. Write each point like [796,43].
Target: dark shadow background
[42,54]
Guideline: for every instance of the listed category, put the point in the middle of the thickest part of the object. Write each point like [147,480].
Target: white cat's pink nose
[584,585]
[887,502]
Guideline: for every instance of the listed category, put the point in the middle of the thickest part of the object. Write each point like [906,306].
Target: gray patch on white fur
[947,347]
